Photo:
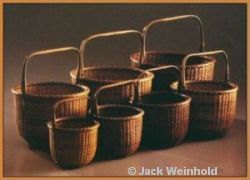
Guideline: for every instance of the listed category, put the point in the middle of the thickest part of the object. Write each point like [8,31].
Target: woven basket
[73,139]
[198,68]
[95,77]
[121,126]
[33,103]
[213,103]
[166,116]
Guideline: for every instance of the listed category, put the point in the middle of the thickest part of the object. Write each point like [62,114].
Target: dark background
[32,27]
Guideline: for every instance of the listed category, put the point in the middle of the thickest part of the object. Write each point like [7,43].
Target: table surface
[227,153]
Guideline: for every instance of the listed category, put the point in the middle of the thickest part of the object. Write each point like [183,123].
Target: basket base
[161,145]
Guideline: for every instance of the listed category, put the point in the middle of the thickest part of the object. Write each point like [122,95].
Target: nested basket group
[213,103]
[201,68]
[34,102]
[95,77]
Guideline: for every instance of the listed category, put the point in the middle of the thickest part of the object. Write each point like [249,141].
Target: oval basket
[198,68]
[213,103]
[33,103]
[95,77]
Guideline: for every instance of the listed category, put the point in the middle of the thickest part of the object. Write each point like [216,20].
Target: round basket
[198,68]
[166,116]
[33,103]
[121,126]
[95,77]
[73,139]
[213,103]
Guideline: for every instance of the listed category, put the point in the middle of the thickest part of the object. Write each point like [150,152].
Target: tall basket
[33,103]
[198,68]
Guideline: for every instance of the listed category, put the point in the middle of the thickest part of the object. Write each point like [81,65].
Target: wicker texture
[97,77]
[200,69]
[213,103]
[166,116]
[73,149]
[122,136]
[165,126]
[212,114]
[73,137]
[33,103]
[121,126]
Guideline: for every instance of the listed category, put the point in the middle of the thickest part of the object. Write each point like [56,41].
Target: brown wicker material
[166,116]
[121,126]
[199,68]
[213,103]
[95,77]
[33,103]
[73,139]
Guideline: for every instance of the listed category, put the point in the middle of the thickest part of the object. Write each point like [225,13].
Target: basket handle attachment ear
[207,53]
[43,52]
[102,35]
[169,19]
[95,103]
[160,68]
[65,108]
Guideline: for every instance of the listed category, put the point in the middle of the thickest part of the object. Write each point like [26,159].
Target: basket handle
[98,91]
[114,33]
[169,19]
[166,67]
[48,51]
[61,102]
[183,84]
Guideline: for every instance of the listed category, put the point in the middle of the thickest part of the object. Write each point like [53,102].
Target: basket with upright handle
[95,77]
[198,68]
[213,103]
[166,116]
[33,103]
[73,138]
[121,125]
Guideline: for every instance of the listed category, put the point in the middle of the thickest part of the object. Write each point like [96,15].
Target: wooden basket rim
[119,119]
[17,90]
[88,128]
[209,59]
[186,101]
[149,76]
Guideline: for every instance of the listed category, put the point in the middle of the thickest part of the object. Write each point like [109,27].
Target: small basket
[199,68]
[95,77]
[213,103]
[166,116]
[33,103]
[73,139]
[121,126]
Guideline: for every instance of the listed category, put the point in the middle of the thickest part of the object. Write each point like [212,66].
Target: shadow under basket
[120,130]
[166,119]
[73,141]
[197,68]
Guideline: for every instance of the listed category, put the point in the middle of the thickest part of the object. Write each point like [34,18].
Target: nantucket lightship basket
[33,103]
[198,68]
